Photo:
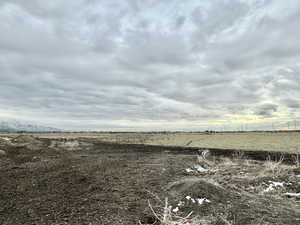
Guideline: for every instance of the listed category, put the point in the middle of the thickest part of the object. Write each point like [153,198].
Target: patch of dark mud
[285,157]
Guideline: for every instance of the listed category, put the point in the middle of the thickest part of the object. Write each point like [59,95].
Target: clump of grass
[274,168]
[239,155]
[206,158]
[296,159]
[167,217]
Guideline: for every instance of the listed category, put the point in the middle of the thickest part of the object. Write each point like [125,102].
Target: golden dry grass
[268,141]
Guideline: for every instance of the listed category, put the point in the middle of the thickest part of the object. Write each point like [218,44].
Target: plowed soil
[46,181]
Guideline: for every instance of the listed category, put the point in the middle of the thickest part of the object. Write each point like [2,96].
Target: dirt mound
[199,196]
[2,153]
[4,141]
[26,148]
[198,188]
[27,141]
[21,139]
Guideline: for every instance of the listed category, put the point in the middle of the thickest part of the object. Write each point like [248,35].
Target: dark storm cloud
[87,60]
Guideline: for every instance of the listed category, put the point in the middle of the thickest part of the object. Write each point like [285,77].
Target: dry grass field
[286,142]
[267,141]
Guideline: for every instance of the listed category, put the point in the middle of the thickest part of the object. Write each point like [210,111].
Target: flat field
[267,141]
[89,182]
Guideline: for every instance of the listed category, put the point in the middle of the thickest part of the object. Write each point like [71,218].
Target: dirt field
[86,181]
[267,141]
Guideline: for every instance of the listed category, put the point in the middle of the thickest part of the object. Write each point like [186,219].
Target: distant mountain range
[16,126]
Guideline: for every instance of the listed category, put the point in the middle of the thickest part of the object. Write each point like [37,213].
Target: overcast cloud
[150,64]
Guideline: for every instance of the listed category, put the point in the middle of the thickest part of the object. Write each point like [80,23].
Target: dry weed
[273,168]
[167,217]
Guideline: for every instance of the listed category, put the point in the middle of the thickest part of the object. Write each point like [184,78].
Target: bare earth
[89,182]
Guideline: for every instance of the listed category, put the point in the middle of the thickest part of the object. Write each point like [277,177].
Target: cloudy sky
[150,64]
